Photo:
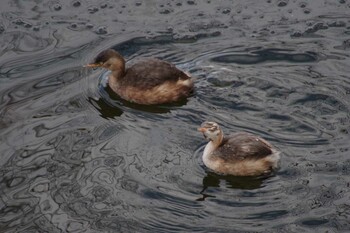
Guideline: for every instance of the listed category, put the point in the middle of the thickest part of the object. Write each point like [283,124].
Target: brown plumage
[239,154]
[151,81]
[240,146]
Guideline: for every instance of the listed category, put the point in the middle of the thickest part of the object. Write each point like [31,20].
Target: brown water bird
[240,154]
[148,82]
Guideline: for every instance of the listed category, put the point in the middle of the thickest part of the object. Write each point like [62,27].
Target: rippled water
[76,158]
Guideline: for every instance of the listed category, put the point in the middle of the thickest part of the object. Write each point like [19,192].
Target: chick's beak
[201,130]
[93,65]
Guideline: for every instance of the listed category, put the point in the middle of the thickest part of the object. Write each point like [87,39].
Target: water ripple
[267,55]
[77,158]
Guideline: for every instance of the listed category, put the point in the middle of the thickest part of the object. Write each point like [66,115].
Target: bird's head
[211,131]
[109,59]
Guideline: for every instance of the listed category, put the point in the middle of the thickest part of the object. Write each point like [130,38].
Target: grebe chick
[240,154]
[151,81]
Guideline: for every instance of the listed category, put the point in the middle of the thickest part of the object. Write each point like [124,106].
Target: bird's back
[151,73]
[243,146]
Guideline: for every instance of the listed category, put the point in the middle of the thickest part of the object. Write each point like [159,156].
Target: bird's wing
[151,73]
[242,146]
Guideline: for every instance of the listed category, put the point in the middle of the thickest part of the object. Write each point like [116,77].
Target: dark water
[75,158]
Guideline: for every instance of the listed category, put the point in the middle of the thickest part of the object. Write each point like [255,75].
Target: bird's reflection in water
[235,182]
[106,110]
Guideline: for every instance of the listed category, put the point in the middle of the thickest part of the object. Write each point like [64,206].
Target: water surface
[76,158]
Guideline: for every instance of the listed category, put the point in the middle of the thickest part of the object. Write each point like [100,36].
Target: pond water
[76,158]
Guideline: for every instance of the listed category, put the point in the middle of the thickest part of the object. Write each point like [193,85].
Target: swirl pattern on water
[116,176]
[76,158]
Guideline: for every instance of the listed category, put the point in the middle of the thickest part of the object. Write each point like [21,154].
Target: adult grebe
[240,154]
[148,82]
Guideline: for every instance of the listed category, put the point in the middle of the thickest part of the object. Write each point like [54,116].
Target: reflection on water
[266,55]
[77,158]
[213,180]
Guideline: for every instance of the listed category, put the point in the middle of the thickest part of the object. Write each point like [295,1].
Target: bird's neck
[118,69]
[218,140]
[212,145]
[118,74]
[115,78]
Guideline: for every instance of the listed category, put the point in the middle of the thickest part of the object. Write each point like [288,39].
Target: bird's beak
[93,65]
[201,130]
